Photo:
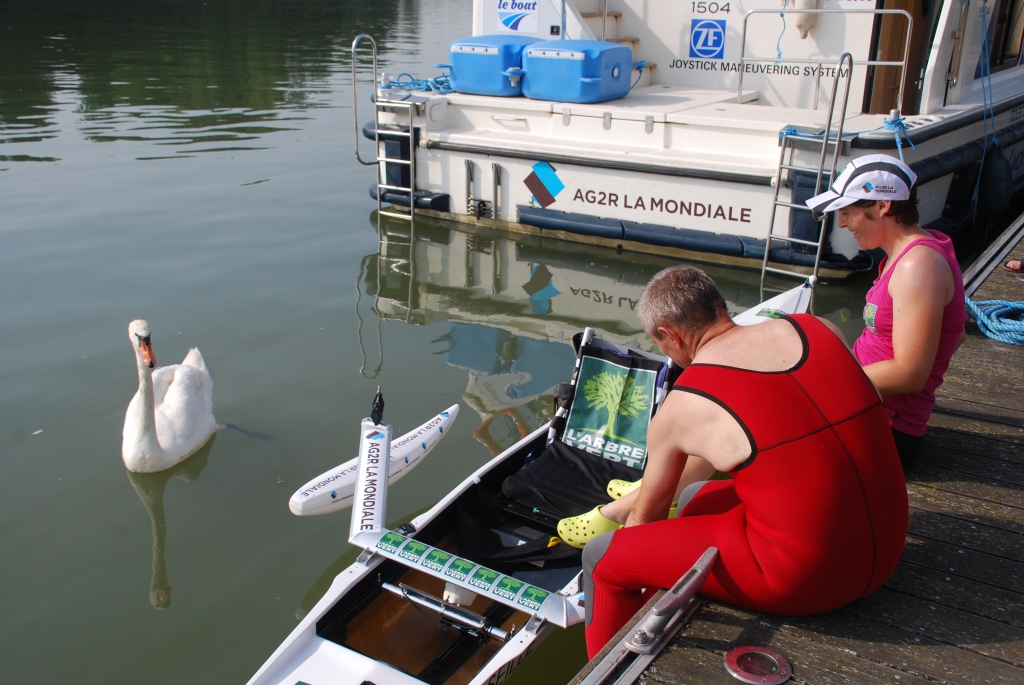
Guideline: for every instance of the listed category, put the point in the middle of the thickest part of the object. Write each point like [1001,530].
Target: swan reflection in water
[150,488]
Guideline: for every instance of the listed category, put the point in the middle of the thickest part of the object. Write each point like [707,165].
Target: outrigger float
[739,112]
[464,592]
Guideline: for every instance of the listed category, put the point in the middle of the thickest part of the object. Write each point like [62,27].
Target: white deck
[692,127]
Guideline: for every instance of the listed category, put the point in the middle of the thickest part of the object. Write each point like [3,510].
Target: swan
[171,415]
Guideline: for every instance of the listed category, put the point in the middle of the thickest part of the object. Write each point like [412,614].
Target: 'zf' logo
[707,38]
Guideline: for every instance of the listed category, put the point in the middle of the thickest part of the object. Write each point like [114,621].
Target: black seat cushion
[565,481]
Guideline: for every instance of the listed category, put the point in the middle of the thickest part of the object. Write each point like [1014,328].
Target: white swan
[171,416]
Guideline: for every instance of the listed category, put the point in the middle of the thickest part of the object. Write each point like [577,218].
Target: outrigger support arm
[463,618]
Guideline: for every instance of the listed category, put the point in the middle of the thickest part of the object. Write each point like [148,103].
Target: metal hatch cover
[758,666]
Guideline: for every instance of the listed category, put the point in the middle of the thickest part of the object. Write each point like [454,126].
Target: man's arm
[669,469]
[920,290]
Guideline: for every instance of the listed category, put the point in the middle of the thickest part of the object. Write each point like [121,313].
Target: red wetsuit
[815,518]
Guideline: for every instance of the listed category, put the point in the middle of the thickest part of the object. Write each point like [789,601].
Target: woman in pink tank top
[915,310]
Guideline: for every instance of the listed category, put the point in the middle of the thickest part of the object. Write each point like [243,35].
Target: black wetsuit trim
[750,436]
[806,351]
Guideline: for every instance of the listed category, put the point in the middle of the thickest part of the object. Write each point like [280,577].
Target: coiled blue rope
[999,319]
[439,84]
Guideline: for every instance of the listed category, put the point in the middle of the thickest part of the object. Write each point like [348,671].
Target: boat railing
[821,62]
[355,95]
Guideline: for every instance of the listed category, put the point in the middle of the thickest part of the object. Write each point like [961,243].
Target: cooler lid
[491,44]
[574,49]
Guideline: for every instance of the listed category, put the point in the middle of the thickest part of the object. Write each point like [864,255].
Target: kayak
[383,619]
[333,489]
[464,592]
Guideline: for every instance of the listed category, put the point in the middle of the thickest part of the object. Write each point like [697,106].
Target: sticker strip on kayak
[472,576]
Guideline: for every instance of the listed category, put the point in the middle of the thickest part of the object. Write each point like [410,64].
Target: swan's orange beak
[146,347]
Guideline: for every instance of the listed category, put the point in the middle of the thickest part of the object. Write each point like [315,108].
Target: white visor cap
[871,177]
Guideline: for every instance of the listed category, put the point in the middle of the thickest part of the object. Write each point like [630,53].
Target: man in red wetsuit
[814,514]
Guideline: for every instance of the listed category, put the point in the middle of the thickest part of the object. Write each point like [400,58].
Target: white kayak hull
[333,490]
[306,657]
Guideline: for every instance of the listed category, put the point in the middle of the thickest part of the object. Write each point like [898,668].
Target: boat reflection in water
[150,488]
[512,301]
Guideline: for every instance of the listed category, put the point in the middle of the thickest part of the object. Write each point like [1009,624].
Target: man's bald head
[681,296]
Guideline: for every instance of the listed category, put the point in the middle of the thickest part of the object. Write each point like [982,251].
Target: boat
[333,490]
[740,111]
[465,591]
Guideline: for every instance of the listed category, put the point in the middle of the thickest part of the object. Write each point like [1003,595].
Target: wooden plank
[976,444]
[956,482]
[977,412]
[995,385]
[965,534]
[979,345]
[953,590]
[944,624]
[690,665]
[1007,428]
[984,568]
[899,649]
[966,508]
[1000,285]
[971,466]
[719,628]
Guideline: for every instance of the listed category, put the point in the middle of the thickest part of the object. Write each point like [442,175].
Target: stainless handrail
[953,74]
[793,60]
[355,96]
[826,137]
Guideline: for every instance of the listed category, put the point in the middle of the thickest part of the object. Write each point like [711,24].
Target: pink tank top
[909,413]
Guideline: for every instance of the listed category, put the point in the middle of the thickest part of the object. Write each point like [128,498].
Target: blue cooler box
[581,71]
[489,65]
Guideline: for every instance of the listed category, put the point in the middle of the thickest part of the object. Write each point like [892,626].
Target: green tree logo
[619,394]
[510,584]
[461,565]
[413,549]
[485,574]
[536,594]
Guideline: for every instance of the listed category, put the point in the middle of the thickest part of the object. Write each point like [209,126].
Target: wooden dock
[953,612]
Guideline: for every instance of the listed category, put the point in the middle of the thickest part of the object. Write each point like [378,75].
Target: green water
[191,163]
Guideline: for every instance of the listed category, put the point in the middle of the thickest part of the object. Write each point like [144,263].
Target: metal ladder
[786,164]
[382,160]
[788,140]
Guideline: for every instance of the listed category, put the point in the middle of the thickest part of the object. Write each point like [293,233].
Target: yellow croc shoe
[579,530]
[620,488]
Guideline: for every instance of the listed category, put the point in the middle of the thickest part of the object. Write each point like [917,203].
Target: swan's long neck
[147,417]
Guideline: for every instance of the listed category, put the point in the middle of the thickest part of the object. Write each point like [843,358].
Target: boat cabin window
[1005,32]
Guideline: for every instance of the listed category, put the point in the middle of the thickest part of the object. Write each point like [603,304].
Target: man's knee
[595,550]
[592,554]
